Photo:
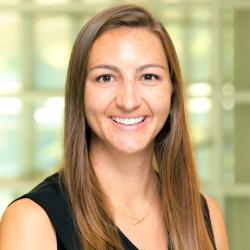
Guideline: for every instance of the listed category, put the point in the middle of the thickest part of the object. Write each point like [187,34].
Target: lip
[128,116]
[136,126]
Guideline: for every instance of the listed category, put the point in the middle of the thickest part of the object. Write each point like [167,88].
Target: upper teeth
[128,121]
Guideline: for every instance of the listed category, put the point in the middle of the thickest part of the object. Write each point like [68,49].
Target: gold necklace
[135,220]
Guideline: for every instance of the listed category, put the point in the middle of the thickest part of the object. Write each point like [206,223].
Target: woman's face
[128,90]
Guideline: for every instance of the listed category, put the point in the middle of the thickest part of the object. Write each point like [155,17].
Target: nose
[128,96]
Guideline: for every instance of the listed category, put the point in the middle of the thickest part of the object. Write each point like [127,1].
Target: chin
[132,149]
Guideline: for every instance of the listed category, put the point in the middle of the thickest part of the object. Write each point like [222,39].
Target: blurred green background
[212,39]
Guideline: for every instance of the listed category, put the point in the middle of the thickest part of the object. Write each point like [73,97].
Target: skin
[125,92]
[121,155]
[26,226]
[128,76]
[218,224]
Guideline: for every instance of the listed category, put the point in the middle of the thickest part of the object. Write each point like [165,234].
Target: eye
[104,78]
[150,77]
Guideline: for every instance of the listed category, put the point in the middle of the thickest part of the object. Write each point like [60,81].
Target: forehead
[128,43]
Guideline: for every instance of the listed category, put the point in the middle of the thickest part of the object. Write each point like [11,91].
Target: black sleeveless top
[50,195]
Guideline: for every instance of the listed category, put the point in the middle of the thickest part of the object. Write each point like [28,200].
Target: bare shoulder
[25,225]
[218,224]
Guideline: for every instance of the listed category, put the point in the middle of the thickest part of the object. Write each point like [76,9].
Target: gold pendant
[136,221]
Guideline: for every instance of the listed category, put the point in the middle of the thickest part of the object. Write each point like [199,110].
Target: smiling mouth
[128,121]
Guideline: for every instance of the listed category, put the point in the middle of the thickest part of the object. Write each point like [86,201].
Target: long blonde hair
[179,188]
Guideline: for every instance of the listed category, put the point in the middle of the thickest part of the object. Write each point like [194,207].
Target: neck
[125,178]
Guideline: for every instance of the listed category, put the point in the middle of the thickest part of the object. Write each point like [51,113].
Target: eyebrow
[116,69]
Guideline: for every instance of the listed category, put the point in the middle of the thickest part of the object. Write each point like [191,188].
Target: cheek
[92,112]
[90,108]
[91,98]
[95,105]
[162,110]
[159,100]
[163,113]
[165,107]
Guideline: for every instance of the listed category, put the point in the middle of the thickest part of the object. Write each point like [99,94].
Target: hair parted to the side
[179,188]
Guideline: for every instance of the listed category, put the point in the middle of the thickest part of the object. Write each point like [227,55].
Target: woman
[123,107]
